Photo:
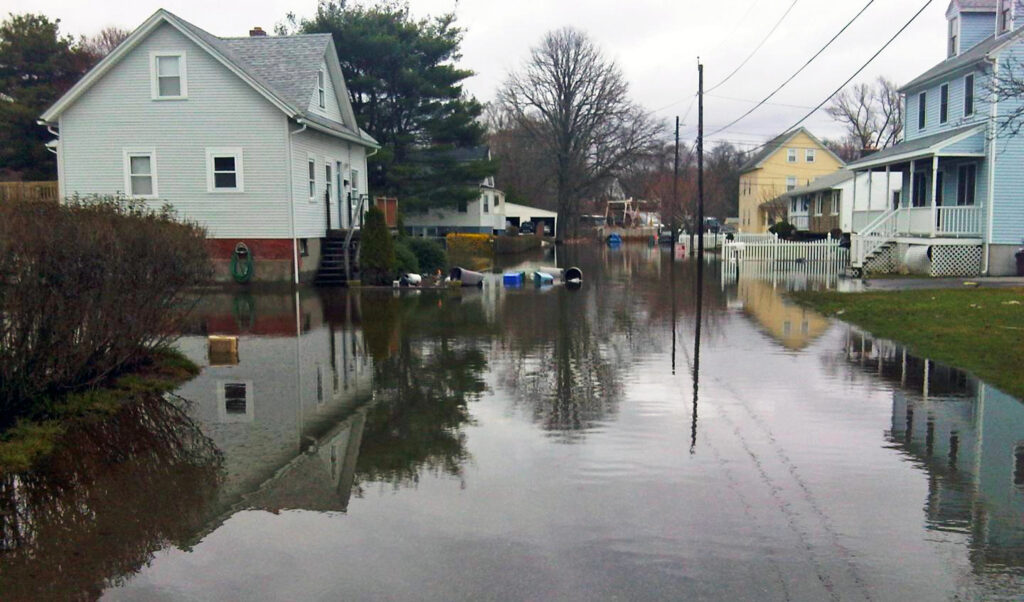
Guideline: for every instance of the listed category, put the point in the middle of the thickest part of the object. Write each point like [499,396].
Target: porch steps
[331,271]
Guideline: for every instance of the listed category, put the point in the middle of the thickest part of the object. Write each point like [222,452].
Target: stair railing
[876,234]
[348,236]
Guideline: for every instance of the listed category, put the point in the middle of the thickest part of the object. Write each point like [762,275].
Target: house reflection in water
[759,295]
[968,437]
[288,410]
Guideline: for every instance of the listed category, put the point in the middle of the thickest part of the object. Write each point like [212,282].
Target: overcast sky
[656,43]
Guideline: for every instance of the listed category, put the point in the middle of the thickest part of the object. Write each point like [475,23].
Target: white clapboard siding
[221,111]
[311,216]
[331,110]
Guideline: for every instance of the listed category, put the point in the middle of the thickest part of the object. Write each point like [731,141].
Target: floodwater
[525,444]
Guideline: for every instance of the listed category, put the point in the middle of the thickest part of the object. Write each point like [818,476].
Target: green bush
[376,249]
[89,288]
[783,229]
[430,254]
[405,259]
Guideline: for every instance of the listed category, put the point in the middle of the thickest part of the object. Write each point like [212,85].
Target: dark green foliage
[783,229]
[430,254]
[376,249]
[90,289]
[405,259]
[407,92]
[37,65]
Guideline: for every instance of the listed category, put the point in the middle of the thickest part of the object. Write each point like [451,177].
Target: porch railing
[960,221]
[800,222]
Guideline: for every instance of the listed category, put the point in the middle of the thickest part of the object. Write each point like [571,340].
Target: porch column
[871,173]
[853,201]
[935,178]
[888,190]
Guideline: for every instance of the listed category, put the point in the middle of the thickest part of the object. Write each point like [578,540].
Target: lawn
[979,330]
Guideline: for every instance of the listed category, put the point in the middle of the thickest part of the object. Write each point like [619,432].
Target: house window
[791,155]
[320,94]
[1005,15]
[837,199]
[487,203]
[969,95]
[140,173]
[792,204]
[463,207]
[328,181]
[790,182]
[809,155]
[224,170]
[920,190]
[818,204]
[234,398]
[169,80]
[355,183]
[235,401]
[966,182]
[304,247]
[922,102]
[944,103]
[311,167]
[805,203]
[954,31]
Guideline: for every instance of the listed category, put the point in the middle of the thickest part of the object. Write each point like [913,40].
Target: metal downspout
[993,115]
[291,201]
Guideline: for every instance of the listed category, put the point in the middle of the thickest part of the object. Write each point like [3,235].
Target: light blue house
[960,210]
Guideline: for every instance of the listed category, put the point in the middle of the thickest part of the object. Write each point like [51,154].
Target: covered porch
[942,200]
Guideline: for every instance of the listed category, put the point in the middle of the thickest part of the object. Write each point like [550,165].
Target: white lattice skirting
[883,262]
[956,260]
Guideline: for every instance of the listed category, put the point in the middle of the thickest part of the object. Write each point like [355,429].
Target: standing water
[537,443]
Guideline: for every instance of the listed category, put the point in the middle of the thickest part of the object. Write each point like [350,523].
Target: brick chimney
[257,32]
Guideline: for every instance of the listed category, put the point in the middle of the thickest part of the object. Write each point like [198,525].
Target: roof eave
[336,132]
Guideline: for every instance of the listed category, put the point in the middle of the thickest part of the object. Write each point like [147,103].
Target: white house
[484,215]
[254,138]
[831,202]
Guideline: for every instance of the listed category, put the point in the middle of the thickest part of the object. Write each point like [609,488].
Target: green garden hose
[241,263]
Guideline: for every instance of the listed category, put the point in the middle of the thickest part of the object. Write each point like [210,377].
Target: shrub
[430,254]
[478,245]
[405,260]
[783,229]
[376,249]
[87,289]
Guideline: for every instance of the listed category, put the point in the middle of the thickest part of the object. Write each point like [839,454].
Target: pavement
[907,284]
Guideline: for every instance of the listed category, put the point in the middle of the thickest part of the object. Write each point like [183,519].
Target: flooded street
[538,444]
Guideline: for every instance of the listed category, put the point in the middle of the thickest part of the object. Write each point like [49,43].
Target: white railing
[754,238]
[878,233]
[800,222]
[960,221]
[827,250]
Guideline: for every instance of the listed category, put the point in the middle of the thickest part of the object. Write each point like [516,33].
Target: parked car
[526,228]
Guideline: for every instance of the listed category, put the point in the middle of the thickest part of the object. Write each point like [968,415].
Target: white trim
[934,149]
[321,91]
[250,397]
[974,98]
[944,87]
[790,155]
[129,152]
[154,81]
[225,151]
[311,160]
[810,155]
[330,185]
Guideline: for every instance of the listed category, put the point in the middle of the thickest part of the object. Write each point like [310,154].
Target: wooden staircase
[331,271]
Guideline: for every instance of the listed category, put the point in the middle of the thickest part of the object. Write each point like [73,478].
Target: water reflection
[114,493]
[967,436]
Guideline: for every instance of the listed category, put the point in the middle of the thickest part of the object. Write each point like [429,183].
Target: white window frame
[182,75]
[225,151]
[354,174]
[311,181]
[953,38]
[790,155]
[836,198]
[321,88]
[790,183]
[250,396]
[487,202]
[128,153]
[944,103]
[810,155]
[922,110]
[330,194]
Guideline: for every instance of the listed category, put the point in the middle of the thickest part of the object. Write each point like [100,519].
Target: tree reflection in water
[424,378]
[114,492]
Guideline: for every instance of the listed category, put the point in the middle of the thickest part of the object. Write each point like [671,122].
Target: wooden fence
[11,192]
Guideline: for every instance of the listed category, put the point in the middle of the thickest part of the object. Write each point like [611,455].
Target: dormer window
[954,35]
[168,75]
[320,93]
[1005,15]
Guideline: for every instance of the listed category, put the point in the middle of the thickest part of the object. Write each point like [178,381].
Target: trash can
[1020,261]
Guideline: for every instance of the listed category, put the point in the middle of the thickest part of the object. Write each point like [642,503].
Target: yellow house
[789,160]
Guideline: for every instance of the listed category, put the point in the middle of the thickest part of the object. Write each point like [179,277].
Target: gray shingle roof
[964,60]
[919,144]
[825,182]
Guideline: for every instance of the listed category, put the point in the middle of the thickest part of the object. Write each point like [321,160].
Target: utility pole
[675,189]
[700,250]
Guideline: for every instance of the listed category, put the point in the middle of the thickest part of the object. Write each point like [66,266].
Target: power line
[758,47]
[798,71]
[855,74]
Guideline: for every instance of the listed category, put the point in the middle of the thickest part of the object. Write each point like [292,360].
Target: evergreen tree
[407,92]
[37,65]
[376,249]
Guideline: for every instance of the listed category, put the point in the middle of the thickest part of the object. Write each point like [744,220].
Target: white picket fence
[772,251]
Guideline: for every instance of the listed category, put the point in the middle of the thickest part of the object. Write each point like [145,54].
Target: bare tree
[1008,84]
[573,103]
[103,43]
[872,114]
